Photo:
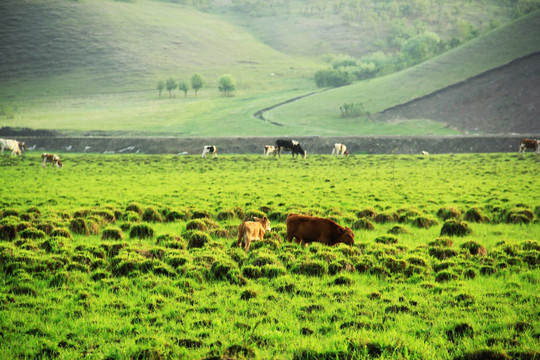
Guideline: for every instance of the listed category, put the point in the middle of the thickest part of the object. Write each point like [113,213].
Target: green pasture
[135,257]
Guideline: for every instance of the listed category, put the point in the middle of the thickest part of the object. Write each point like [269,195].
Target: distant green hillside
[60,47]
[89,66]
[494,49]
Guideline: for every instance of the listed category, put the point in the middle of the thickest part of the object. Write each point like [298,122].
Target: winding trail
[260,114]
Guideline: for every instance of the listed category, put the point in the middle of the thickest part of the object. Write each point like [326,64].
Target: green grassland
[135,256]
[94,65]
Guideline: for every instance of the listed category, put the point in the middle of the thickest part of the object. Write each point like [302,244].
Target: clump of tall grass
[151,214]
[386,217]
[61,232]
[363,224]
[141,231]
[397,230]
[32,233]
[175,215]
[455,228]
[386,239]
[226,215]
[474,248]
[79,226]
[369,213]
[311,268]
[423,222]
[197,224]
[201,214]
[226,270]
[171,241]
[10,212]
[447,213]
[112,233]
[135,207]
[442,253]
[8,232]
[197,239]
[475,214]
[518,216]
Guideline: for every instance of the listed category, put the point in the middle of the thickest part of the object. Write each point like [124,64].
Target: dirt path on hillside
[260,114]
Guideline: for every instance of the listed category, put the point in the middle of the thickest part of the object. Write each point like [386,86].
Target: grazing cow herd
[292,146]
[303,229]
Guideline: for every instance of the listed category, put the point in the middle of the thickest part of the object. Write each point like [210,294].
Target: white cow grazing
[270,149]
[425,153]
[11,145]
[209,149]
[340,149]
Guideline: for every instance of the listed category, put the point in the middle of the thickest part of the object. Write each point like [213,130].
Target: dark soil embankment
[502,100]
[255,145]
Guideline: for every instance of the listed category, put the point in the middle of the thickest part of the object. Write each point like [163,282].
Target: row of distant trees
[226,85]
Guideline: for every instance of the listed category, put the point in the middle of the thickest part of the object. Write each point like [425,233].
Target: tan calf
[249,231]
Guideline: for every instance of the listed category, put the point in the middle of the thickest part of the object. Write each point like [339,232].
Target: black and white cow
[290,145]
[209,149]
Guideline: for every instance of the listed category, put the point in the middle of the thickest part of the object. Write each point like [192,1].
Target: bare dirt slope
[502,100]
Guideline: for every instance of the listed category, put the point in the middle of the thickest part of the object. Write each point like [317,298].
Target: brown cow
[252,230]
[314,229]
[529,144]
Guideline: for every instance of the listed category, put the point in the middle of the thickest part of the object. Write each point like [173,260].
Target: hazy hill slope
[360,27]
[487,52]
[502,100]
[91,46]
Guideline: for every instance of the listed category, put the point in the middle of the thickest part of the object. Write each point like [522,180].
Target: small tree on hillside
[226,85]
[183,86]
[197,82]
[170,85]
[421,47]
[160,86]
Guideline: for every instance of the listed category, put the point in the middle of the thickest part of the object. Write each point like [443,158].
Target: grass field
[134,256]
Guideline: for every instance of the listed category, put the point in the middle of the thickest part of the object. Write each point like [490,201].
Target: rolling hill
[103,46]
[461,65]
[91,66]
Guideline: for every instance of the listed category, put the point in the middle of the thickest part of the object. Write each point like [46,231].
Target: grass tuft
[141,231]
[455,228]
